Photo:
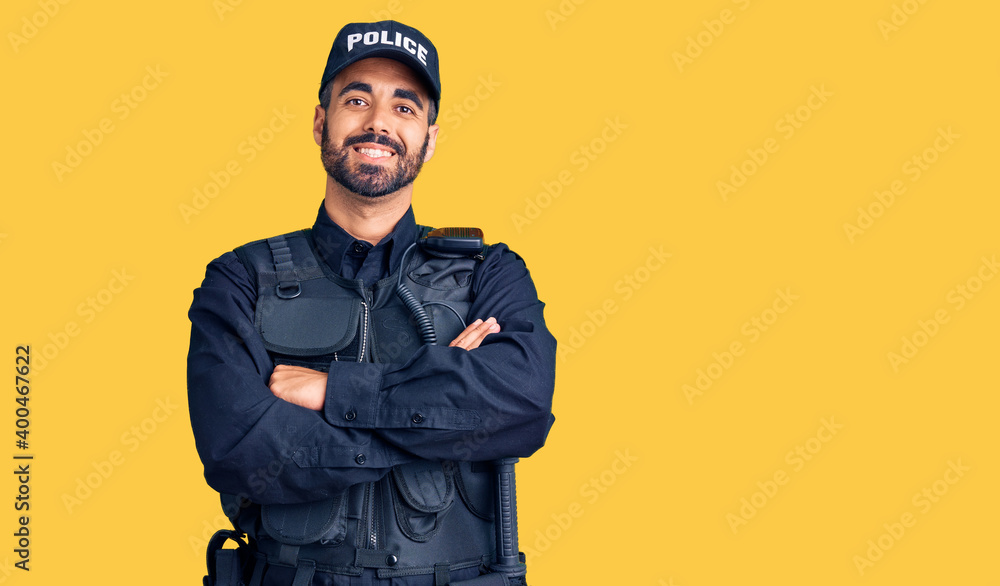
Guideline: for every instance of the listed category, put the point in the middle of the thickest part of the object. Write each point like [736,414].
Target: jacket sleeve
[452,404]
[252,443]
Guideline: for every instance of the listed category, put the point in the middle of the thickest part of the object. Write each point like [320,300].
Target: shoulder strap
[281,254]
[285,259]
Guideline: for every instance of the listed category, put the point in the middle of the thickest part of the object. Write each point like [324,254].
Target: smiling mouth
[374,153]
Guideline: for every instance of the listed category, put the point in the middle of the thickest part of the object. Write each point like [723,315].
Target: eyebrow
[355,86]
[399,93]
[408,95]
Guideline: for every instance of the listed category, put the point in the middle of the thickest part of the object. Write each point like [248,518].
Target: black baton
[508,558]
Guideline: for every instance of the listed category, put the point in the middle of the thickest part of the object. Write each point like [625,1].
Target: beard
[371,180]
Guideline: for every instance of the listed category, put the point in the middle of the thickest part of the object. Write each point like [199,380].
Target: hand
[299,385]
[477,331]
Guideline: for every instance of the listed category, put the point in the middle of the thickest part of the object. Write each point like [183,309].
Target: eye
[406,109]
[355,102]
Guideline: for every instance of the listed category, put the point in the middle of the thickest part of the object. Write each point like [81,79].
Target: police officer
[347,449]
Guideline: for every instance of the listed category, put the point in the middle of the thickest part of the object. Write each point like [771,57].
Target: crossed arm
[307,387]
[280,434]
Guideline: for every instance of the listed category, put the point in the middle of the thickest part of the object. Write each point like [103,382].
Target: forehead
[378,72]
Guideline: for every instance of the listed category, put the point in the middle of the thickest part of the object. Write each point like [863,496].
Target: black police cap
[388,39]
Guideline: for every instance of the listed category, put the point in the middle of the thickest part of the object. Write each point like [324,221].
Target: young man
[346,446]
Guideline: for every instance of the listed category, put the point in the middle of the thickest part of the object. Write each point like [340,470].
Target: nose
[378,121]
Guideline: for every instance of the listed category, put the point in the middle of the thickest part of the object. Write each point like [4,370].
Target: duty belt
[344,559]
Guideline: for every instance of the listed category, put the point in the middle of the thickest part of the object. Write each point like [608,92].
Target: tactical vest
[421,518]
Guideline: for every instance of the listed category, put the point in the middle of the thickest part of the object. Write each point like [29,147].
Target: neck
[366,218]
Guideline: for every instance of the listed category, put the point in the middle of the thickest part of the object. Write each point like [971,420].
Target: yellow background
[526,86]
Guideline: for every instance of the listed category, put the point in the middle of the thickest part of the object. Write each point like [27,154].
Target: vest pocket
[299,524]
[421,492]
[475,485]
[322,320]
[444,273]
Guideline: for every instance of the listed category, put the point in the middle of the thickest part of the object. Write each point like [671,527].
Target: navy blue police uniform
[391,474]
[391,482]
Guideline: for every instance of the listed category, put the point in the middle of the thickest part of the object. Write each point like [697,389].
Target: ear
[319,117]
[432,132]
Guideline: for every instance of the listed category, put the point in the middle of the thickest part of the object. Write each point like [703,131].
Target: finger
[288,368]
[488,327]
[283,372]
[469,337]
[279,373]
[474,334]
[281,377]
[459,339]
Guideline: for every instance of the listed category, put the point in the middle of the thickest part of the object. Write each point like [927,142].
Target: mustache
[377,139]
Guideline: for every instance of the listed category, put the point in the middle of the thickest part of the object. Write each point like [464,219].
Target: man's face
[375,135]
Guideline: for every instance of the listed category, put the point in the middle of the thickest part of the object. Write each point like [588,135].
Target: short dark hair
[326,94]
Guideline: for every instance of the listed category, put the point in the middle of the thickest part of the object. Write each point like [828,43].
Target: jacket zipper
[371,513]
[371,500]
[364,333]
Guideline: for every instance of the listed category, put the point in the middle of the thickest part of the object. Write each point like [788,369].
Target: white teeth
[375,153]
